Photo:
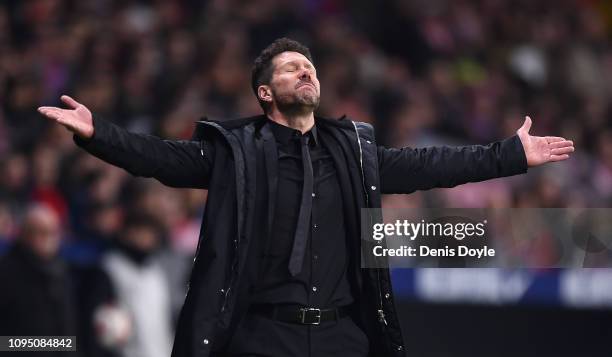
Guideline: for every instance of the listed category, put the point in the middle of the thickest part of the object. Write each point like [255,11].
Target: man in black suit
[277,271]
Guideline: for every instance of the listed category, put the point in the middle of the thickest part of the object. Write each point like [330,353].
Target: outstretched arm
[174,163]
[407,170]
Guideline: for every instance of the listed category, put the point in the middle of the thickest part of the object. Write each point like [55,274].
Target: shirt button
[314,288]
[314,194]
[315,257]
[387,295]
[373,188]
[315,225]
[205,341]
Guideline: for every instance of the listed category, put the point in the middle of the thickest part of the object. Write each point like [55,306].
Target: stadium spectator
[37,297]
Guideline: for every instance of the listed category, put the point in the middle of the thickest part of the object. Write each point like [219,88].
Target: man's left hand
[542,149]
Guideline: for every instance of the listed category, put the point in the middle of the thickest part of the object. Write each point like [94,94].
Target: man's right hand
[77,119]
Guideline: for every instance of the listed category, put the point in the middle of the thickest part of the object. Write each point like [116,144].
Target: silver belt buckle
[304,312]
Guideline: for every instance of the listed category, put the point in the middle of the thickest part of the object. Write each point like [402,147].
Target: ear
[264,92]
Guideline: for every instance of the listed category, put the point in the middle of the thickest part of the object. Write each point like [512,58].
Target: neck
[302,121]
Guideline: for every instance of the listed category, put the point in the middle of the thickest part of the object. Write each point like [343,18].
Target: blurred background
[90,251]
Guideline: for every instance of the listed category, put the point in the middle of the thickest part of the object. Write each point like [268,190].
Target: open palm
[542,149]
[76,119]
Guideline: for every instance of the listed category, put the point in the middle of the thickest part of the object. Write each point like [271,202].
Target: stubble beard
[297,103]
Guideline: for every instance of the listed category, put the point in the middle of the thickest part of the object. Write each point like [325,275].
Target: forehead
[290,56]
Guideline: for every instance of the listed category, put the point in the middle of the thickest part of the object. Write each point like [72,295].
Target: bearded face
[294,86]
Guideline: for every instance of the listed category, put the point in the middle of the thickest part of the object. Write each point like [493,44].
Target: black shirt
[323,280]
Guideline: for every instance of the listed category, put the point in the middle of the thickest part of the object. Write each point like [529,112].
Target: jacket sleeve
[407,170]
[181,163]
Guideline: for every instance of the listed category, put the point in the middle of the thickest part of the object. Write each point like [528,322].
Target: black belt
[300,314]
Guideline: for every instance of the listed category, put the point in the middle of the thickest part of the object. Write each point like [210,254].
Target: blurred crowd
[424,72]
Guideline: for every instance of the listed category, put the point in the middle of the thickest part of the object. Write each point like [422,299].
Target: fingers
[561,148]
[560,144]
[52,113]
[73,104]
[562,151]
[553,139]
[559,157]
[55,112]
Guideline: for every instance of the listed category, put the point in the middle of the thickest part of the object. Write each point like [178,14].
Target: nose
[305,74]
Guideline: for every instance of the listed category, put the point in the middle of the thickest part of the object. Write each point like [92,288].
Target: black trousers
[261,336]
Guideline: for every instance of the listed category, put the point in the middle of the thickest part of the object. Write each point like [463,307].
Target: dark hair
[262,67]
